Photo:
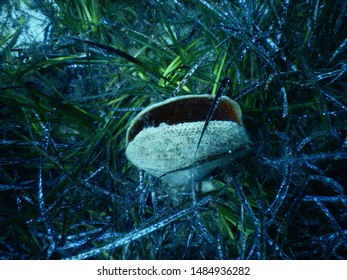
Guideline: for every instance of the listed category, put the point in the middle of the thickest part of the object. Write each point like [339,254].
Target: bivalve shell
[163,138]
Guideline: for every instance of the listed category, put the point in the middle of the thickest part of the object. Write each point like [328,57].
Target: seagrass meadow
[74,74]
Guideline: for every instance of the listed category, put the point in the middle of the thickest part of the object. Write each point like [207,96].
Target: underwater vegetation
[71,85]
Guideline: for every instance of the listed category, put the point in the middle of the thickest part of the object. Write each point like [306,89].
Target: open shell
[163,138]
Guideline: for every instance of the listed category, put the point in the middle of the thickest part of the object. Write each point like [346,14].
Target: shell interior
[189,108]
